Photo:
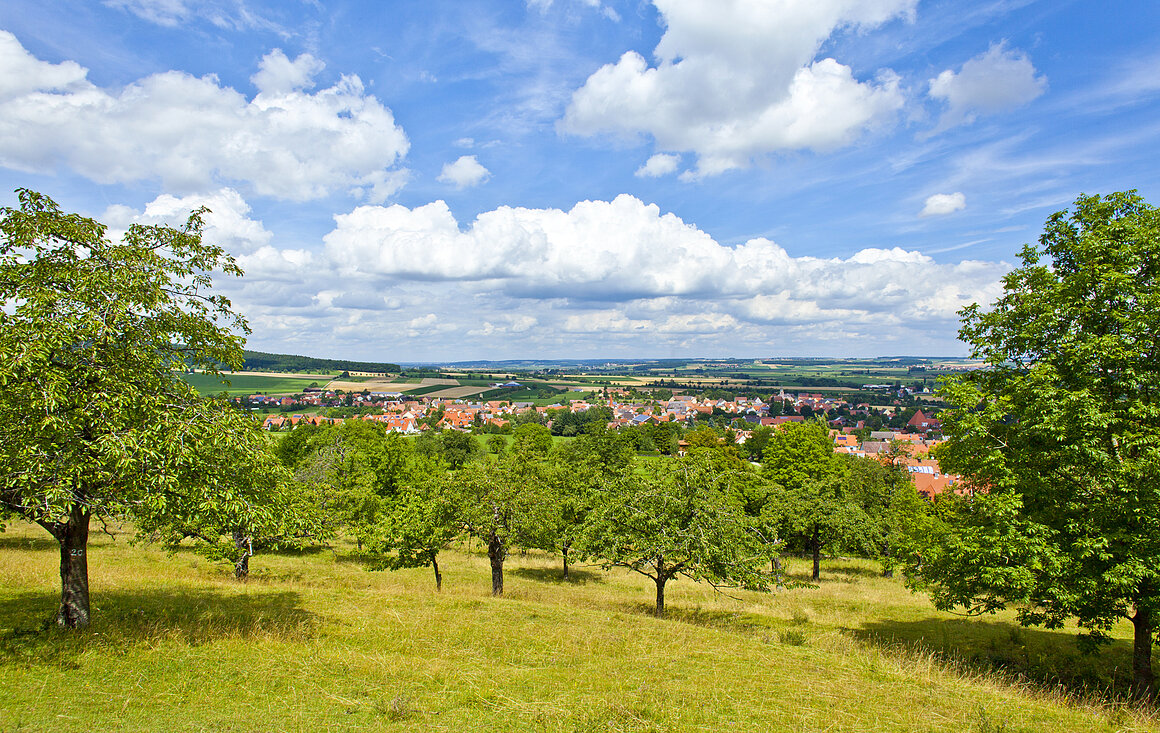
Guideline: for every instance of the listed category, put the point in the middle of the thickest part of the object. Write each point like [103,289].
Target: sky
[498,179]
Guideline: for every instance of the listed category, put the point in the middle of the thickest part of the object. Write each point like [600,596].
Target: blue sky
[487,179]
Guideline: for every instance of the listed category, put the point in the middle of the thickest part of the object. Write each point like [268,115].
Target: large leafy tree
[421,520]
[94,419]
[573,475]
[1060,435]
[886,495]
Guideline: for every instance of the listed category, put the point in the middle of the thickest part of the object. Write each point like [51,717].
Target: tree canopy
[683,517]
[94,419]
[1059,435]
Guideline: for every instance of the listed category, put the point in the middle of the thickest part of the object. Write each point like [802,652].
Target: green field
[315,642]
[244,384]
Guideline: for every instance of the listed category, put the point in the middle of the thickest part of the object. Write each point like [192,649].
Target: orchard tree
[353,470]
[680,517]
[501,503]
[1059,436]
[572,478]
[422,520]
[266,515]
[814,504]
[884,491]
[532,440]
[94,419]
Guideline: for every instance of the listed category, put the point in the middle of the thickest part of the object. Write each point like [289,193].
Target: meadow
[313,641]
[244,384]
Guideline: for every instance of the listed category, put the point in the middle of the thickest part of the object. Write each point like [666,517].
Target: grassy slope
[315,642]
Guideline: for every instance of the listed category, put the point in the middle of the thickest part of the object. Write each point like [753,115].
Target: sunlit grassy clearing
[251,383]
[313,641]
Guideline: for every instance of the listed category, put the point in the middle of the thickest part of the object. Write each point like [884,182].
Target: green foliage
[497,445]
[353,470]
[568,424]
[295,445]
[754,448]
[94,419]
[532,440]
[457,448]
[1060,435]
[422,519]
[263,362]
[501,503]
[452,447]
[815,507]
[679,517]
[892,507]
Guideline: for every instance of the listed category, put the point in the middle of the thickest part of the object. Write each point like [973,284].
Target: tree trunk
[1143,681]
[564,550]
[660,581]
[816,547]
[775,570]
[438,577]
[73,537]
[245,548]
[888,565]
[495,553]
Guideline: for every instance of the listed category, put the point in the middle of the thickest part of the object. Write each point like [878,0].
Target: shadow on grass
[1049,658]
[192,616]
[28,543]
[733,621]
[576,576]
[853,572]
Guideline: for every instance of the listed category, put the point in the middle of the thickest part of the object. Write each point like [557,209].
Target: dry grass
[315,642]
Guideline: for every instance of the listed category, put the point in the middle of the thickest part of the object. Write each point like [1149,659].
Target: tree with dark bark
[94,419]
[814,506]
[681,518]
[1059,437]
[502,504]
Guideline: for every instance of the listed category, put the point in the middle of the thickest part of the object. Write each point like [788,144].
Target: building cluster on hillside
[909,448]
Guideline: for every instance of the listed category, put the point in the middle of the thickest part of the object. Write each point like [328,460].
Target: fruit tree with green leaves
[94,419]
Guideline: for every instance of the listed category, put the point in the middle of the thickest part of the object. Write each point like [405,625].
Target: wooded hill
[263,362]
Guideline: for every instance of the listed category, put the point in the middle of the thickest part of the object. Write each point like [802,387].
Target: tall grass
[315,642]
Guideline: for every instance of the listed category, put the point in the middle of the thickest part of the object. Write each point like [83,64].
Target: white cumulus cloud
[227,224]
[194,135]
[617,277]
[995,81]
[625,250]
[277,74]
[465,172]
[737,79]
[661,164]
[941,204]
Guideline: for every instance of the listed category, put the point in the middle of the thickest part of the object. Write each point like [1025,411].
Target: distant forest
[261,362]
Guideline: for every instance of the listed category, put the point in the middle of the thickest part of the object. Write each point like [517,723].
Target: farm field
[251,383]
[315,642]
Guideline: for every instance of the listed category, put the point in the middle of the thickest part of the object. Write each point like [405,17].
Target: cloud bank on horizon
[586,178]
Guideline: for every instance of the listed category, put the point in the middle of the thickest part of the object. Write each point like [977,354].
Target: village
[909,446]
